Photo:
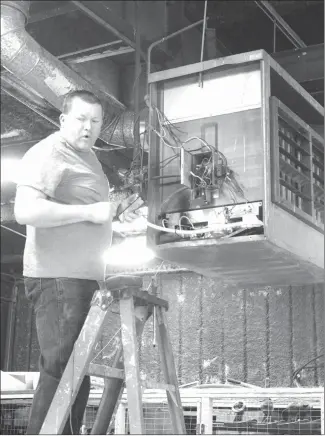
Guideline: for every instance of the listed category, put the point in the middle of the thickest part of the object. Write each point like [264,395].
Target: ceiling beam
[63,9]
[303,64]
[89,50]
[106,17]
[281,24]
[100,55]
[102,13]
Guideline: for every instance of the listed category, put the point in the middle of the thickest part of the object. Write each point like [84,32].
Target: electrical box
[236,172]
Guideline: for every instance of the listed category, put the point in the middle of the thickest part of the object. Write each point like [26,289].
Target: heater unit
[236,172]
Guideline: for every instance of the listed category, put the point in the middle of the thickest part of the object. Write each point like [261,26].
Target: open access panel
[236,172]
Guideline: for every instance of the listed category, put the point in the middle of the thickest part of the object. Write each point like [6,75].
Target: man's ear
[61,118]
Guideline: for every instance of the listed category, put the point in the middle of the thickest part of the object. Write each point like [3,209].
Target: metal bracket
[102,298]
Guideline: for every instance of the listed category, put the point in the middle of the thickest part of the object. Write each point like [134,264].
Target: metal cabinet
[236,172]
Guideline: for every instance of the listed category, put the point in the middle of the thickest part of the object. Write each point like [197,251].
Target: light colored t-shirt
[69,177]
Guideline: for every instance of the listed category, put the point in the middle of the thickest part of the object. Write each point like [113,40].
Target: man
[62,198]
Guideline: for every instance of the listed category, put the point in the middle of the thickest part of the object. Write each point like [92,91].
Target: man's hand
[128,209]
[100,213]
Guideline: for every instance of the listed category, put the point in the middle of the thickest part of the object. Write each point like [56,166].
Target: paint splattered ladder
[135,306]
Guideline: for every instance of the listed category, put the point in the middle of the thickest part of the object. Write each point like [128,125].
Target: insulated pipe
[23,57]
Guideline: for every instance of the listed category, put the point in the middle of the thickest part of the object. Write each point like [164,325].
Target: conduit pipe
[23,57]
[280,23]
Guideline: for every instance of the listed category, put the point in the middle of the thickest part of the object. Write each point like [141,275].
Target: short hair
[84,95]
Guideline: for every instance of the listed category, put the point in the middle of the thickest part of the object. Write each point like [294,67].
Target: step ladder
[123,295]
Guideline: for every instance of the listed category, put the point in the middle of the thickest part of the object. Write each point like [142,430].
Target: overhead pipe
[280,23]
[23,57]
[203,39]
[165,38]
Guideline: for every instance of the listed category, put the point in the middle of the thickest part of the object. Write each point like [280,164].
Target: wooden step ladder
[134,306]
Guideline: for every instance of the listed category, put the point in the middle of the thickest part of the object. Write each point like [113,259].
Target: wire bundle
[167,135]
[207,168]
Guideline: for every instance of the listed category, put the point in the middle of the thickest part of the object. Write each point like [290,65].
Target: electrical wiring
[203,183]
[205,161]
[170,158]
[137,165]
[169,161]
[214,229]
[204,172]
[232,194]
[186,217]
[211,173]
[181,143]
[163,122]
[170,176]
[139,157]
[164,141]
[201,140]
[166,128]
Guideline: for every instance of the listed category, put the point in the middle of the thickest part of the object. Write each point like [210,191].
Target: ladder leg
[113,389]
[169,371]
[120,418]
[74,372]
[131,365]
[112,394]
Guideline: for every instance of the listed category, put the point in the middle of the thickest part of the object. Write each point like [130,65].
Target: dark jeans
[61,306]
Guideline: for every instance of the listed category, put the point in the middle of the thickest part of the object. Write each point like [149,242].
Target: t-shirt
[65,176]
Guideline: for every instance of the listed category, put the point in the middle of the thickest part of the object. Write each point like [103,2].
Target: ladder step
[105,371]
[142,296]
[147,384]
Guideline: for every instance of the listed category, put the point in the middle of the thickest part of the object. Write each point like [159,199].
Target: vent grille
[318,178]
[297,165]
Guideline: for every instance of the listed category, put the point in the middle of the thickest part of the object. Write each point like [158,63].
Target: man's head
[81,119]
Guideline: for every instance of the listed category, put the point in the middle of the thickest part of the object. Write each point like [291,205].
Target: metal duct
[23,57]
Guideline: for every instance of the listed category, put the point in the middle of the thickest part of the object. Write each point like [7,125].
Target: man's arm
[32,208]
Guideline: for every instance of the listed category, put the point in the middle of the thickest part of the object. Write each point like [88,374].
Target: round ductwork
[23,57]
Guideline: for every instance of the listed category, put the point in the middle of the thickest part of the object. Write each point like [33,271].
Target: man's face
[81,126]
